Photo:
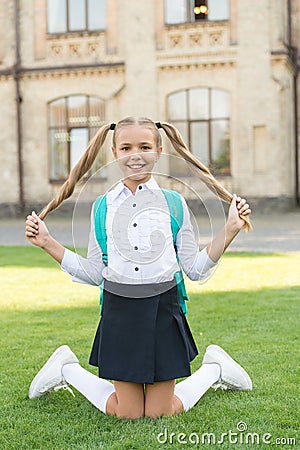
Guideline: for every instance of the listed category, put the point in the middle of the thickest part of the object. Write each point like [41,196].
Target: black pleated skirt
[143,340]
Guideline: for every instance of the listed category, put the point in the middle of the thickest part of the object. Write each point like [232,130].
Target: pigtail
[81,168]
[201,170]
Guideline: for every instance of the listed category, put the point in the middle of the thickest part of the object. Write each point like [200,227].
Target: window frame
[68,31]
[66,128]
[209,121]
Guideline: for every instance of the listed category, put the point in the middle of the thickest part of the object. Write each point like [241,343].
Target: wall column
[40,28]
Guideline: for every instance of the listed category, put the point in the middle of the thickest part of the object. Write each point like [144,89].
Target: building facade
[225,72]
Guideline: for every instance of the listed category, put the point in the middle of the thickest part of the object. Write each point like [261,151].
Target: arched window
[181,11]
[66,16]
[202,115]
[73,121]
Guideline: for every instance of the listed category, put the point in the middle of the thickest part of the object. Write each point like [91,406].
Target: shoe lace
[65,387]
[220,385]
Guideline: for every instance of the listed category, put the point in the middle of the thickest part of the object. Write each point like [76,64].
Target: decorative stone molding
[184,66]
[93,48]
[75,72]
[78,48]
[215,38]
[56,50]
[74,50]
[176,40]
[197,46]
[194,38]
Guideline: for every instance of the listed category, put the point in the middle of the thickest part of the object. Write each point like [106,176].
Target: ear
[159,152]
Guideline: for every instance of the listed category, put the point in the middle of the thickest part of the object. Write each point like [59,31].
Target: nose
[136,155]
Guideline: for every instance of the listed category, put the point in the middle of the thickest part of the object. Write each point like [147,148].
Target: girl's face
[137,152]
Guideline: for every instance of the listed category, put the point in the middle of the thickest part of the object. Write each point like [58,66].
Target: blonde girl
[143,342]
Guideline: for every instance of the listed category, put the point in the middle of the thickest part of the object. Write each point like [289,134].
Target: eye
[146,147]
[125,148]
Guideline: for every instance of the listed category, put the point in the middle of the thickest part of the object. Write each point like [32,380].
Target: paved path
[271,233]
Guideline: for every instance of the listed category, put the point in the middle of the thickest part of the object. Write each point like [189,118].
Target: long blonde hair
[86,161]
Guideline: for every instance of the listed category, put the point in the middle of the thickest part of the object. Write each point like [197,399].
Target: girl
[143,341]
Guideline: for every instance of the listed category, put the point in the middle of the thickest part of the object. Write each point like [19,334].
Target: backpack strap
[100,210]
[176,213]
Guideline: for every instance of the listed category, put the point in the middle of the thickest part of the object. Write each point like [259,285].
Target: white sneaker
[233,376]
[50,377]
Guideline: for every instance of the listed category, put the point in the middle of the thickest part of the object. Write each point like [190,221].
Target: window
[73,121]
[202,117]
[76,15]
[180,11]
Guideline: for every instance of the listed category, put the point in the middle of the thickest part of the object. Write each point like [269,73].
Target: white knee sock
[95,389]
[190,390]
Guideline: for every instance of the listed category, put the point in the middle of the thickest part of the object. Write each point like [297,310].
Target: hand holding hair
[36,230]
[37,233]
[239,210]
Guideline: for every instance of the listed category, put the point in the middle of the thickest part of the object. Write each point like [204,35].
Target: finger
[246,212]
[30,223]
[31,231]
[244,207]
[30,234]
[36,217]
[241,203]
[32,218]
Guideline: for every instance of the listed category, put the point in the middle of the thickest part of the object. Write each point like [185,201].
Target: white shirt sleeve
[196,264]
[85,270]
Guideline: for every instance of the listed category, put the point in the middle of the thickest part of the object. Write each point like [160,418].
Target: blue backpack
[176,212]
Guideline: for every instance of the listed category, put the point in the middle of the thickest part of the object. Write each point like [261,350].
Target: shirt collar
[151,185]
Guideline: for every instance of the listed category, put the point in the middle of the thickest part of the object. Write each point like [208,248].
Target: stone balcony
[194,43]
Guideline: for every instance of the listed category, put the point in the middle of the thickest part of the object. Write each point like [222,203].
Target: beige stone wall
[140,62]
[8,148]
[261,102]
[7,33]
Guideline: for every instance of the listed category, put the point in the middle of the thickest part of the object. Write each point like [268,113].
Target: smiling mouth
[136,166]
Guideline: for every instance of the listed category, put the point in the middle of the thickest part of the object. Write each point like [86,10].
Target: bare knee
[130,410]
[160,399]
[127,402]
[130,413]
[170,409]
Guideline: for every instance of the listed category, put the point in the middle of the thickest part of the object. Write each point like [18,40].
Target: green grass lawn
[250,306]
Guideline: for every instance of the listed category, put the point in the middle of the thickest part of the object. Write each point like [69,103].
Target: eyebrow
[130,143]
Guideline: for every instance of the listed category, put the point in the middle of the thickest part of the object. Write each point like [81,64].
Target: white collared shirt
[139,242]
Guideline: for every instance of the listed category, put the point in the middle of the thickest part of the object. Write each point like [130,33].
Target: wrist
[46,242]
[231,229]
